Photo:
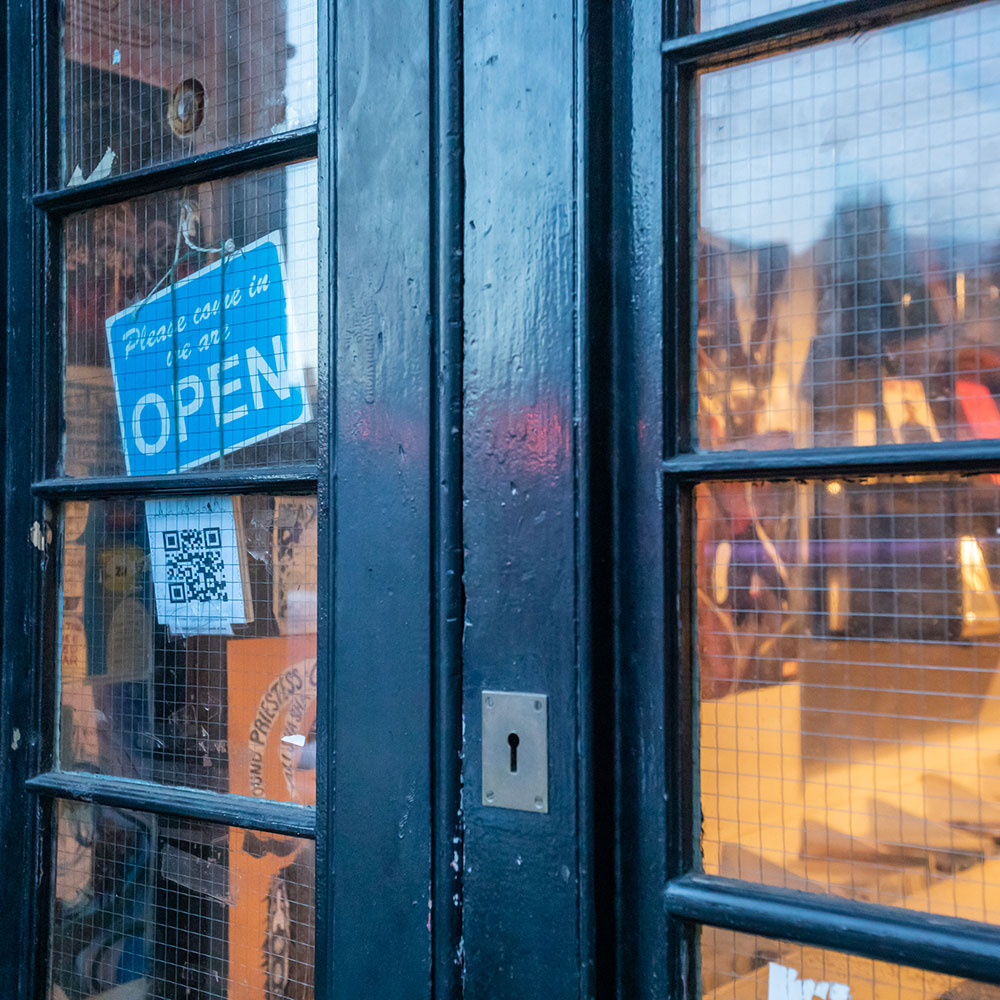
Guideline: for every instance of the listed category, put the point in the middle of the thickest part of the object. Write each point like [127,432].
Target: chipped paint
[411,796]
[15,739]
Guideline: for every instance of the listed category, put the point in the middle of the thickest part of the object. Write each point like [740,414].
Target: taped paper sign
[784,984]
[199,564]
[202,368]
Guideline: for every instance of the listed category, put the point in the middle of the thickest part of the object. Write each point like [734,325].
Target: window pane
[747,967]
[848,232]
[148,81]
[848,644]
[152,386]
[188,651]
[711,14]
[157,907]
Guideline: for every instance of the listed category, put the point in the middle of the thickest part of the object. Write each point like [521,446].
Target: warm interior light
[980,611]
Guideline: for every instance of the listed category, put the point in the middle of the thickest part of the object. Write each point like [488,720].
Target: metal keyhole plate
[515,751]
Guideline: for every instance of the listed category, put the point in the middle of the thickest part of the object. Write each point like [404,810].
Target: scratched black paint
[382,613]
[522,210]
[638,445]
[19,736]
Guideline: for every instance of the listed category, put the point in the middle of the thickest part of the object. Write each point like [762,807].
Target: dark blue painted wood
[596,745]
[381,847]
[446,493]
[522,403]
[326,284]
[639,536]
[19,733]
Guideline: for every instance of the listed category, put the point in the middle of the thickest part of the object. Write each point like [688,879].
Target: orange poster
[272,755]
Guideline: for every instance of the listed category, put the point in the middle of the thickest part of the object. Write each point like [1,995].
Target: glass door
[830,475]
[173,437]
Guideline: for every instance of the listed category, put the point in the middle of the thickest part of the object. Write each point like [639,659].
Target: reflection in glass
[848,251]
[156,907]
[848,650]
[149,81]
[711,14]
[151,385]
[188,652]
[747,967]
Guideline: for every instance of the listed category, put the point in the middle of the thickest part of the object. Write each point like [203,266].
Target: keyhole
[513,739]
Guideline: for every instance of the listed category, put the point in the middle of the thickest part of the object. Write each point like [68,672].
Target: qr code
[196,569]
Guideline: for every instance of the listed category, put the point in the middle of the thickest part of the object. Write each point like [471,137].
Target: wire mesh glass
[188,642]
[848,653]
[160,908]
[710,14]
[150,81]
[190,325]
[737,966]
[848,240]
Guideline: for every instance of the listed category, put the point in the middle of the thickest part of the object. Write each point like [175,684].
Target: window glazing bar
[795,463]
[801,25]
[254,155]
[926,941]
[127,793]
[293,479]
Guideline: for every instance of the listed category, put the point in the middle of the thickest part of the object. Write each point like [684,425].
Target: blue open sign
[201,368]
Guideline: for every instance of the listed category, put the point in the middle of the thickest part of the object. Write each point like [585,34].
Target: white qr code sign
[199,565]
